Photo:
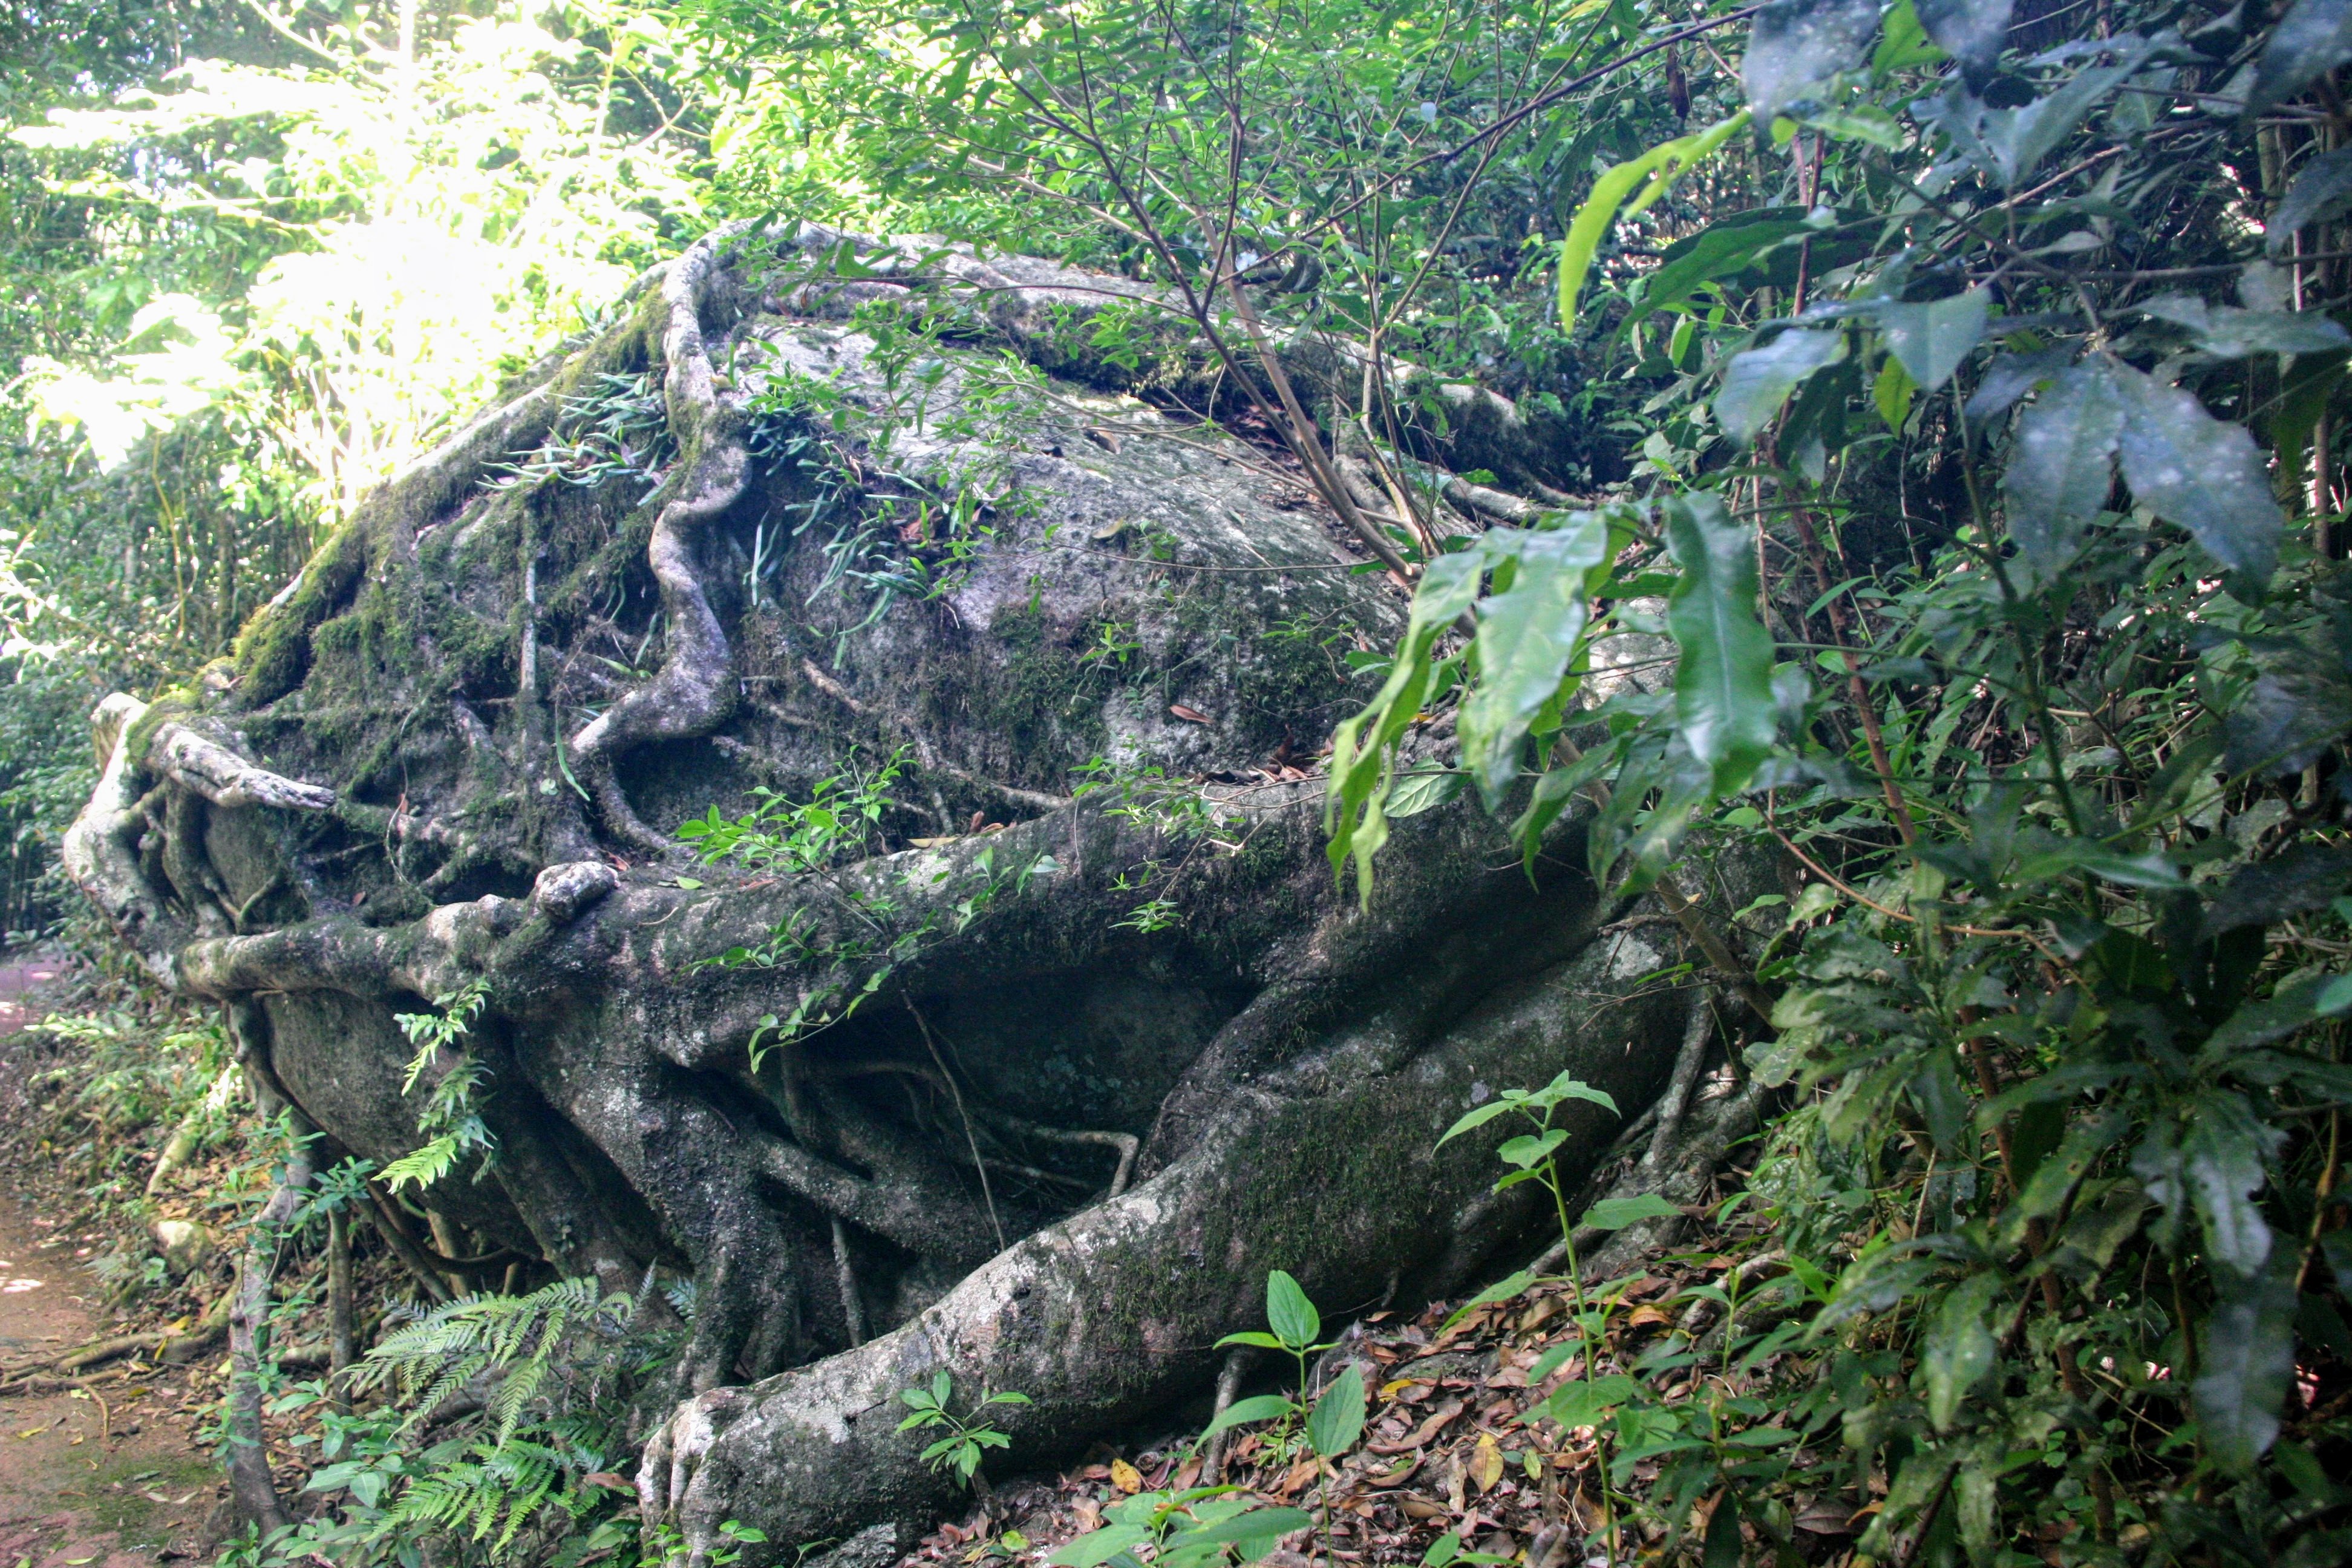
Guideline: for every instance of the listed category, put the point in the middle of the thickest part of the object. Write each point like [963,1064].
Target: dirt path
[95,1475]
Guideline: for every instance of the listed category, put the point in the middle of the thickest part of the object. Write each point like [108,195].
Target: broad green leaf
[1473,1119]
[1566,1086]
[1933,339]
[1337,1419]
[1724,1546]
[2098,1228]
[1587,1402]
[1098,1547]
[1757,381]
[2226,332]
[2010,376]
[1723,247]
[2200,473]
[1417,792]
[2304,877]
[2061,466]
[1265,1524]
[1723,678]
[2045,1189]
[1616,1213]
[1971,31]
[1959,1348]
[1867,123]
[1529,1150]
[1797,46]
[2300,702]
[2224,1159]
[1254,1337]
[1363,746]
[1529,637]
[1891,391]
[1242,1412]
[2313,39]
[2248,1357]
[2009,143]
[2291,1008]
[2322,192]
[1288,1312]
[1661,166]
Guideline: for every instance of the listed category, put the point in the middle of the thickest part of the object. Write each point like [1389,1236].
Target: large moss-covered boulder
[1010,1020]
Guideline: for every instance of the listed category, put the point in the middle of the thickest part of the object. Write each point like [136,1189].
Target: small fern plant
[517,1339]
[451,1119]
[540,1450]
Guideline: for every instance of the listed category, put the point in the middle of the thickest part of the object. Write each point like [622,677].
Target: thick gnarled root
[1322,1167]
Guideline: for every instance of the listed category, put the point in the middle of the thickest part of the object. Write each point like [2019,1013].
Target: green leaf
[2312,40]
[2322,192]
[1959,1348]
[1266,1524]
[1757,381]
[1660,165]
[1724,1546]
[1337,1419]
[2226,332]
[1363,746]
[2247,1360]
[1616,1213]
[2224,1159]
[2009,143]
[1797,46]
[1529,637]
[1932,340]
[1242,1412]
[1253,1337]
[2304,877]
[1891,391]
[2273,1017]
[1472,1120]
[1723,679]
[2061,466]
[1288,1312]
[1725,247]
[1529,1151]
[1417,792]
[1098,1547]
[2200,473]
[1588,1402]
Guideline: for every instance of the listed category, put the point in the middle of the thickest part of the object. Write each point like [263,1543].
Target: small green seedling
[1199,1527]
[1446,1551]
[969,1437]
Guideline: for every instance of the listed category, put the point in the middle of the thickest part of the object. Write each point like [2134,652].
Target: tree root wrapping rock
[1026,1065]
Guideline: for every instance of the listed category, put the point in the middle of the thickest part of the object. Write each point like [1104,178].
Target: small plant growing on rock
[969,1437]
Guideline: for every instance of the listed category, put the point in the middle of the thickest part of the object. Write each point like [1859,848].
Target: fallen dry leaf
[1486,1463]
[1190,715]
[1422,1434]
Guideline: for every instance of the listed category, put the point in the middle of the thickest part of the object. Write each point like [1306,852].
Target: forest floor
[91,1474]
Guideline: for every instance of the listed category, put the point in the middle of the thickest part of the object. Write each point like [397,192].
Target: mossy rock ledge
[1120,1042]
